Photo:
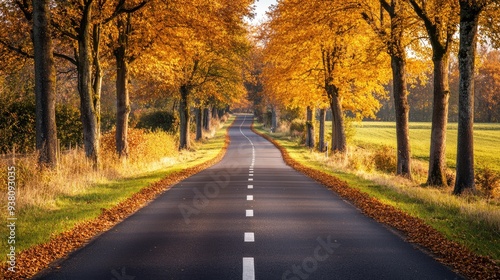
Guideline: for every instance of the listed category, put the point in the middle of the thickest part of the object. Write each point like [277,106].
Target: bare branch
[25,8]
[66,57]
[18,50]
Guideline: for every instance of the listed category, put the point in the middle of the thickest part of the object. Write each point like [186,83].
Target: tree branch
[25,8]
[62,31]
[379,30]
[119,9]
[66,57]
[388,8]
[18,50]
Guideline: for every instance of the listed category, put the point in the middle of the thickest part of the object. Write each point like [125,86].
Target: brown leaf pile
[34,259]
[416,230]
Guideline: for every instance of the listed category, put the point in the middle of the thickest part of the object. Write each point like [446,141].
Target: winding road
[249,217]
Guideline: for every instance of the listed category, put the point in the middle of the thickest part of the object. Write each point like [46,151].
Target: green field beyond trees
[470,220]
[486,140]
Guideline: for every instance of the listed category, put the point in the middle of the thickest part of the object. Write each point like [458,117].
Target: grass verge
[469,246]
[45,236]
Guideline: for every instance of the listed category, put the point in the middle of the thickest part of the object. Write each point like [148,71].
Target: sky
[261,7]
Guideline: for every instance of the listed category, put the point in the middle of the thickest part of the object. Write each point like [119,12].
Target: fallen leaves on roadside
[416,230]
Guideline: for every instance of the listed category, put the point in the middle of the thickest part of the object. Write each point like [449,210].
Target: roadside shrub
[17,127]
[298,130]
[143,145]
[290,114]
[224,118]
[18,121]
[488,182]
[450,178]
[283,127]
[385,160]
[350,129]
[159,120]
[69,126]
[360,159]
[297,126]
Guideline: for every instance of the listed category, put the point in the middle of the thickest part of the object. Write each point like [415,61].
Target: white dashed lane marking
[248,262]
[248,269]
[249,213]
[249,237]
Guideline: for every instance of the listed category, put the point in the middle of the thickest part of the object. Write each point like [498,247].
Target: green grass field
[486,140]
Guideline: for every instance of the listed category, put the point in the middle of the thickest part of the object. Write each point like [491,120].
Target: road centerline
[249,212]
[249,237]
[248,269]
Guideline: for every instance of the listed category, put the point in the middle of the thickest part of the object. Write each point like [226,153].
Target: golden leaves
[314,44]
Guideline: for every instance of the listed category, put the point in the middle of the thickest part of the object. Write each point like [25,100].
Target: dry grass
[149,151]
[363,163]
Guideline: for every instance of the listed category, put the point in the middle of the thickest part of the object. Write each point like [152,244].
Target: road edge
[414,229]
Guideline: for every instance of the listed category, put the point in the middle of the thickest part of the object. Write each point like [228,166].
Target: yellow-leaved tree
[319,51]
[209,42]
[440,18]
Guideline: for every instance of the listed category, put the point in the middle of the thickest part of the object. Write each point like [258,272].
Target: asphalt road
[249,217]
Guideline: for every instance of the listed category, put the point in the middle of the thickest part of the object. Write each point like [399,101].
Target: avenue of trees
[348,55]
[192,51]
[344,57]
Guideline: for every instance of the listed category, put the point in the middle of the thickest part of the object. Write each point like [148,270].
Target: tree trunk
[274,118]
[87,102]
[122,91]
[184,142]
[322,119]
[206,119]
[338,128]
[45,85]
[469,17]
[402,109]
[441,39]
[437,159]
[215,114]
[199,123]
[97,78]
[310,141]
[396,50]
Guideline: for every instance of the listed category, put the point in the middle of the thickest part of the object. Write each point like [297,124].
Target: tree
[82,22]
[45,84]
[394,38]
[470,11]
[310,136]
[487,83]
[37,20]
[252,77]
[440,22]
[124,56]
[327,59]
[122,79]
[210,45]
